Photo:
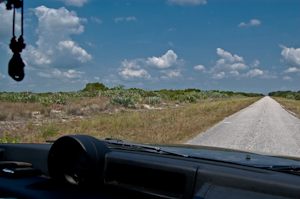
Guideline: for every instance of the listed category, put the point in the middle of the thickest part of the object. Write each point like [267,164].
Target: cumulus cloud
[186,2]
[97,78]
[125,19]
[287,78]
[70,48]
[220,75]
[77,3]
[255,63]
[6,22]
[291,56]
[54,47]
[230,66]
[199,67]
[235,73]
[171,74]
[253,22]
[292,70]
[253,73]
[227,56]
[229,61]
[132,71]
[131,75]
[168,60]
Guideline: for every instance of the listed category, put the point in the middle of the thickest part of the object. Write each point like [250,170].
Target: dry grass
[289,104]
[169,125]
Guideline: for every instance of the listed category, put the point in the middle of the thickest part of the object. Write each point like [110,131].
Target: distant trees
[91,87]
[286,94]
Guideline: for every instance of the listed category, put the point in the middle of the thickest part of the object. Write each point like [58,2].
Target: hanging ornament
[16,64]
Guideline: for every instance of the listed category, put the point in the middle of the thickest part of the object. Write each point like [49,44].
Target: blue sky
[249,45]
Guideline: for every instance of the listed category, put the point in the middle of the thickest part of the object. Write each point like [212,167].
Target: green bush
[124,101]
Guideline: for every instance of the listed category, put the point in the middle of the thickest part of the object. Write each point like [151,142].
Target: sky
[247,46]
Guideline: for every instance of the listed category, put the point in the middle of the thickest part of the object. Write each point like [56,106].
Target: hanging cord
[22,14]
[14,13]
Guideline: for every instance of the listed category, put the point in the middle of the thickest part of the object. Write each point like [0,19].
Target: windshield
[197,72]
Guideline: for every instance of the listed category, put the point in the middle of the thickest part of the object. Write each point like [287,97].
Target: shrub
[290,96]
[153,100]
[125,101]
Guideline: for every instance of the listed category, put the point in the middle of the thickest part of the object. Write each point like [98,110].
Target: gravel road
[263,127]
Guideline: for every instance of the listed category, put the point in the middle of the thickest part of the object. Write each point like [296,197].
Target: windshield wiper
[294,169]
[120,144]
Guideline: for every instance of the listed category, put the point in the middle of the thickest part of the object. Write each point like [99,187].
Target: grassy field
[289,104]
[167,123]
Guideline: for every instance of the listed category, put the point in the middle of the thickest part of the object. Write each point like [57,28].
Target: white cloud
[166,61]
[220,75]
[237,66]
[229,61]
[31,85]
[170,43]
[131,18]
[58,20]
[96,20]
[77,3]
[131,71]
[54,47]
[97,78]
[2,76]
[255,63]
[186,2]
[235,73]
[259,73]
[133,64]
[132,75]
[125,18]
[291,56]
[171,74]
[292,70]
[253,73]
[69,47]
[253,22]
[119,19]
[6,23]
[199,67]
[70,74]
[287,78]
[228,56]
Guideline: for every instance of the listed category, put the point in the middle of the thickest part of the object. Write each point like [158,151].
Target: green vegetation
[161,116]
[120,96]
[92,87]
[286,94]
[9,139]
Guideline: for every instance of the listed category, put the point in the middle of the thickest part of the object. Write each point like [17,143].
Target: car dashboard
[81,166]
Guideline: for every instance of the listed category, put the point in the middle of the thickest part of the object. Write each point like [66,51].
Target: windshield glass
[197,72]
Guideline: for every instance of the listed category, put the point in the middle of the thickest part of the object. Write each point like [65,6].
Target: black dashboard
[84,167]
